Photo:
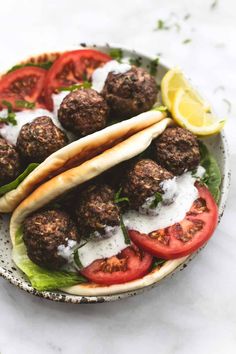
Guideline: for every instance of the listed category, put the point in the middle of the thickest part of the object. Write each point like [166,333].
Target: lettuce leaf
[14,184]
[41,279]
[212,177]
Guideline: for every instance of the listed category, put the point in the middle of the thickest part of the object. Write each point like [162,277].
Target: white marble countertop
[194,312]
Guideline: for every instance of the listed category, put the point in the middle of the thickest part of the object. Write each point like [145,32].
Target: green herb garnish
[156,201]
[45,65]
[135,61]
[11,116]
[124,230]
[157,262]
[160,108]
[25,104]
[77,259]
[187,40]
[214,4]
[74,87]
[117,54]
[119,199]
[161,25]
[153,66]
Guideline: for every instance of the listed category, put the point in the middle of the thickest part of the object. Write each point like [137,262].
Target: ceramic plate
[217,145]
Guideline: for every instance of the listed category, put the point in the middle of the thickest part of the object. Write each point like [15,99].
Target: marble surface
[194,312]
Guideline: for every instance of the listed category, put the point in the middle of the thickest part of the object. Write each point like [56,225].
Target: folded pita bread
[76,153]
[70,179]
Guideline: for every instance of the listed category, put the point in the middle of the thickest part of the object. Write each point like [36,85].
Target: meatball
[143,181]
[9,162]
[177,150]
[39,139]
[96,209]
[44,232]
[130,93]
[83,112]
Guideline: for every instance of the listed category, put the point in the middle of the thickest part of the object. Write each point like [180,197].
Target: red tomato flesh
[185,237]
[71,68]
[22,84]
[129,264]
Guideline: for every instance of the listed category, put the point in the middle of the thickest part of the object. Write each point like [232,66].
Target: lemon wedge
[186,105]
[173,80]
[191,114]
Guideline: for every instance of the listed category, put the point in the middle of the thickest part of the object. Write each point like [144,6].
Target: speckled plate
[216,144]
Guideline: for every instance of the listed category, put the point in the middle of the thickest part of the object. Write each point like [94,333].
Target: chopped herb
[135,61]
[74,87]
[158,262]
[44,65]
[228,104]
[8,105]
[119,199]
[153,66]
[156,201]
[214,4]
[124,230]
[77,260]
[117,54]
[186,17]
[11,116]
[25,104]
[186,41]
[161,25]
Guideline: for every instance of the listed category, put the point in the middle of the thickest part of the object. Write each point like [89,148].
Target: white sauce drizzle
[67,251]
[167,214]
[11,132]
[180,191]
[99,75]
[103,248]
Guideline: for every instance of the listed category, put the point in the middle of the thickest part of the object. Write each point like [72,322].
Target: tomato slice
[71,68]
[186,236]
[129,264]
[25,84]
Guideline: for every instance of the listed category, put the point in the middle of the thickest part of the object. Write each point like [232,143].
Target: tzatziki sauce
[99,75]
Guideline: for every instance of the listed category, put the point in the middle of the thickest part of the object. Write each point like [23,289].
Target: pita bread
[70,179]
[76,153]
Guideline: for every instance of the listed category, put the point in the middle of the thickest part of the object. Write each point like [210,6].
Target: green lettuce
[14,184]
[41,279]
[212,177]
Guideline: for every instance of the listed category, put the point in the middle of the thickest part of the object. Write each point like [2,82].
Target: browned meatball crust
[177,150]
[130,93]
[83,112]
[39,139]
[9,162]
[43,232]
[143,181]
[96,209]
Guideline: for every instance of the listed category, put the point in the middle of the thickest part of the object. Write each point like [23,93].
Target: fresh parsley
[44,65]
[156,201]
[124,230]
[187,41]
[117,54]
[161,25]
[158,262]
[118,199]
[74,87]
[135,61]
[154,66]
[11,116]
[25,104]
